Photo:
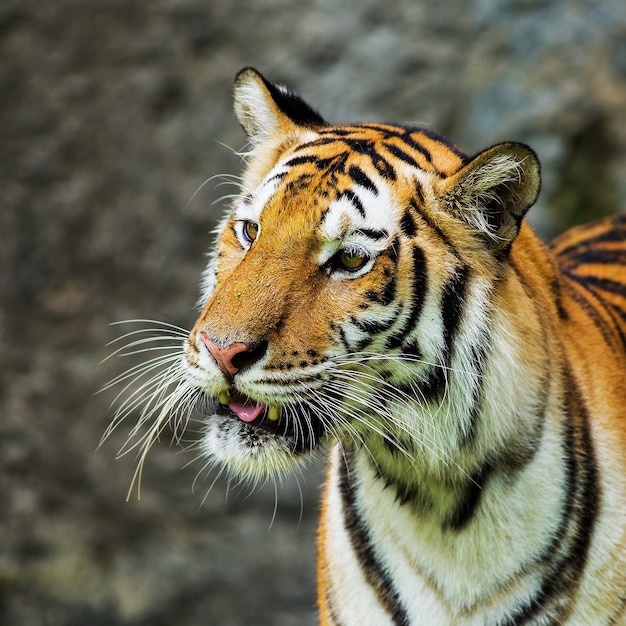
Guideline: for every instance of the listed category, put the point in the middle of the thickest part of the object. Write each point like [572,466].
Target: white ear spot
[254,107]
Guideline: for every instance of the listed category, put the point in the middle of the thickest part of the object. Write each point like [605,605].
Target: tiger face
[334,289]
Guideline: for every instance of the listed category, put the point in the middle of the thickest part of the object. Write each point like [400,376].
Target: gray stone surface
[112,115]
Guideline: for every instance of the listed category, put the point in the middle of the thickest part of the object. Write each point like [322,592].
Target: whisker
[155,325]
[203,185]
[141,369]
[157,388]
[402,359]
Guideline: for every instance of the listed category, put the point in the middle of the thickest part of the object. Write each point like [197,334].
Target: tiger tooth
[273,413]
[224,398]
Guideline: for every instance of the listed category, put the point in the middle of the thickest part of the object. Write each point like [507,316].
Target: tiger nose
[232,357]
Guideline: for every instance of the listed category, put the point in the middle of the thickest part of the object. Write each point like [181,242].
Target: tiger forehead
[346,178]
[382,148]
[363,153]
[335,200]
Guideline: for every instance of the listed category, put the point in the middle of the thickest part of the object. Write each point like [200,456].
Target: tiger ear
[494,191]
[266,110]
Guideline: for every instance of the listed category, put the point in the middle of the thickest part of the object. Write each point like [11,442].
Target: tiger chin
[377,293]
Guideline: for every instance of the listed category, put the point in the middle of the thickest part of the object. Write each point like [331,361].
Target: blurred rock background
[113,113]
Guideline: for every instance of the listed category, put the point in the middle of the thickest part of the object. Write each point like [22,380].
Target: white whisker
[231,178]
[157,388]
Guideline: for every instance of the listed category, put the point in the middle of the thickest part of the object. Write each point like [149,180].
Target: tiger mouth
[298,425]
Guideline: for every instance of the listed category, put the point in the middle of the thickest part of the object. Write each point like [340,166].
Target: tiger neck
[490,419]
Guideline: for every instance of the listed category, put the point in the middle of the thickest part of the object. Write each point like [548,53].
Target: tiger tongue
[246,409]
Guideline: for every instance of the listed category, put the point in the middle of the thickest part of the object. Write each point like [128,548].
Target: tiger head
[336,289]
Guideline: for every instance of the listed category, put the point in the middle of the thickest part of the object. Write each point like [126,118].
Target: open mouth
[301,427]
[247,409]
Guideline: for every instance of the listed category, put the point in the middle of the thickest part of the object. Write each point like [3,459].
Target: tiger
[377,295]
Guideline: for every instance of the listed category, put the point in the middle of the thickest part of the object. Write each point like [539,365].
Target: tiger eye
[250,231]
[351,261]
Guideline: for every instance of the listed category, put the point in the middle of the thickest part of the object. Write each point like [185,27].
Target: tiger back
[377,294]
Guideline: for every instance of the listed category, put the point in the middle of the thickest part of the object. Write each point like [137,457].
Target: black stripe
[469,500]
[386,130]
[402,155]
[362,179]
[372,329]
[337,161]
[368,148]
[419,192]
[431,134]
[318,142]
[323,216]
[300,184]
[584,472]
[357,145]
[393,251]
[412,351]
[388,292]
[614,233]
[605,284]
[277,177]
[336,132]
[407,225]
[419,147]
[599,255]
[452,306]
[372,233]
[406,492]
[371,326]
[451,309]
[613,310]
[566,558]
[383,167]
[418,296]
[410,140]
[387,295]
[590,308]
[435,385]
[344,341]
[300,160]
[354,200]
[449,245]
[406,134]
[478,364]
[374,573]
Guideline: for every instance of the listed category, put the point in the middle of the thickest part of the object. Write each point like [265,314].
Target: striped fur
[377,292]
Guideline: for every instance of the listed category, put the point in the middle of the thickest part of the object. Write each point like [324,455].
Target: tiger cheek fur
[376,291]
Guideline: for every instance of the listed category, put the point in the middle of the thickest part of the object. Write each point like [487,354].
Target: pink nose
[226,356]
